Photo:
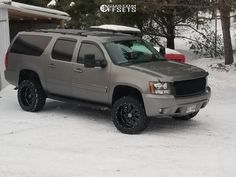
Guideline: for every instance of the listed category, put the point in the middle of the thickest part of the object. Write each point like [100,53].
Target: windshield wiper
[136,62]
[141,61]
[126,63]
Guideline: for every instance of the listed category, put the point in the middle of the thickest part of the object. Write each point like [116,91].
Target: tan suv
[114,69]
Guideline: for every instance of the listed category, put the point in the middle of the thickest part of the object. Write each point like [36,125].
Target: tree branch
[183,37]
[186,25]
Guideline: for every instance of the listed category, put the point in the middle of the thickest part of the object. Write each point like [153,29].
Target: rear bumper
[11,77]
[167,105]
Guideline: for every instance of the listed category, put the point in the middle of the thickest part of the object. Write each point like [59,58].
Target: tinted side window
[30,45]
[88,49]
[64,49]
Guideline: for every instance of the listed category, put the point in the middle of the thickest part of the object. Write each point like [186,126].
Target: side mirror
[162,51]
[89,61]
[103,63]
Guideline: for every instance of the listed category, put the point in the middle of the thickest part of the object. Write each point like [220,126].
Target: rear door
[90,83]
[59,67]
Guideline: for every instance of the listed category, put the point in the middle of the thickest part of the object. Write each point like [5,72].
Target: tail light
[6,60]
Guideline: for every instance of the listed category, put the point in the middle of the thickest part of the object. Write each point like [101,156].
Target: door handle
[52,65]
[78,70]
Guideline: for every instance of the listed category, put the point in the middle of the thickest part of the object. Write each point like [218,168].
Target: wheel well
[121,91]
[28,75]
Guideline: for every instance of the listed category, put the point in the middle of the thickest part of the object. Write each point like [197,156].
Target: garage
[15,17]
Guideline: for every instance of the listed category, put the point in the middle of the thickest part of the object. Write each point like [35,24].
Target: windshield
[132,51]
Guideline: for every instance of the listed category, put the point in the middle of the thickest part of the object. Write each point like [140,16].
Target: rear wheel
[31,96]
[128,115]
[186,117]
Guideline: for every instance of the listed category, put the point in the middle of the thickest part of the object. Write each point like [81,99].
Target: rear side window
[30,45]
[63,49]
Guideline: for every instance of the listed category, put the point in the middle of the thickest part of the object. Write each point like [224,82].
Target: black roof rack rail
[64,31]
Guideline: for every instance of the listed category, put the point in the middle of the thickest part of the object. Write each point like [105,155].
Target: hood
[170,71]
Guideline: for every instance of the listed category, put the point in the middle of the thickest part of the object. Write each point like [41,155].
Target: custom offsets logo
[118,8]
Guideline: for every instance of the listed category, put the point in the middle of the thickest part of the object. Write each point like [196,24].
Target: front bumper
[168,105]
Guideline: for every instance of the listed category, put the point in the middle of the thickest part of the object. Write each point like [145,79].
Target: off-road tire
[186,117]
[128,115]
[31,96]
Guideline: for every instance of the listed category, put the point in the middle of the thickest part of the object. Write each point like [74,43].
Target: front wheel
[186,117]
[31,96]
[128,115]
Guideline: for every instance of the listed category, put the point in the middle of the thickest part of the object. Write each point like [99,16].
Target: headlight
[160,88]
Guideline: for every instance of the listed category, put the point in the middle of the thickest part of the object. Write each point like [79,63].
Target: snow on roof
[117,28]
[34,9]
[72,4]
[52,3]
[5,1]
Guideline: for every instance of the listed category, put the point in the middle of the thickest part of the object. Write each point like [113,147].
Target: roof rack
[134,33]
[64,31]
[90,31]
[117,29]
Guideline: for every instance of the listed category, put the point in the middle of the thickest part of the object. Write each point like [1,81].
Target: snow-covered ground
[66,140]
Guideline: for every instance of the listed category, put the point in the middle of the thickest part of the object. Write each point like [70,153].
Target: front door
[90,83]
[59,67]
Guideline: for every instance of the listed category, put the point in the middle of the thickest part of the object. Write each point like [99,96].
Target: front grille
[189,87]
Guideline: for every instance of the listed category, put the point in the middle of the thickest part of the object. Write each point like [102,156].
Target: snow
[168,50]
[39,9]
[76,140]
[52,3]
[5,1]
[72,4]
[188,32]
[117,28]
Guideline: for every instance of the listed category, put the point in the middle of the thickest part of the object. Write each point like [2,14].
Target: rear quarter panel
[18,62]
